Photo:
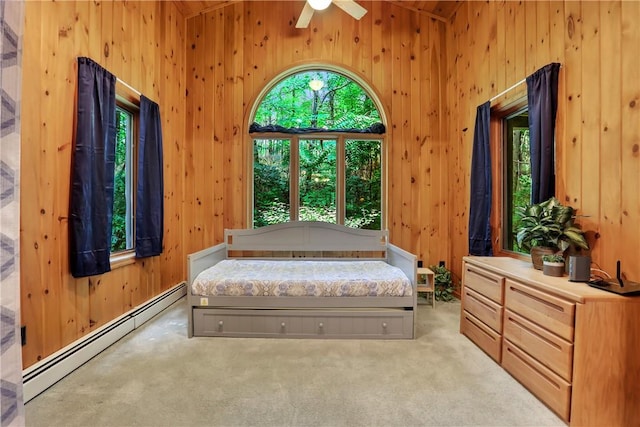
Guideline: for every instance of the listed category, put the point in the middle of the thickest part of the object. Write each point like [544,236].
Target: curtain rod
[507,90]
[510,88]
[129,87]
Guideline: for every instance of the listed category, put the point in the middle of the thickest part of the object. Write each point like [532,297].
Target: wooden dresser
[576,348]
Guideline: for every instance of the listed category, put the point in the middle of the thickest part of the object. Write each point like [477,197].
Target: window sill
[122,258]
[511,254]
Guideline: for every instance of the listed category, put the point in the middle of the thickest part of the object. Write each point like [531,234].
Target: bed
[303,279]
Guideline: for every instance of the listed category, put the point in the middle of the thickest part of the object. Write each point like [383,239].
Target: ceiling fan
[310,6]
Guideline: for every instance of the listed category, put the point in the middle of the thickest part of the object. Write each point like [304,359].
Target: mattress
[302,278]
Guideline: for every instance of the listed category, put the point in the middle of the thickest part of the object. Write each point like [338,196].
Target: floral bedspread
[302,278]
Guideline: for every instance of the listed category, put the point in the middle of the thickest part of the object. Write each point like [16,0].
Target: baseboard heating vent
[146,311]
[42,375]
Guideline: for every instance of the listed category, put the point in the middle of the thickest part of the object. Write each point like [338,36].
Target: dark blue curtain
[480,203]
[91,199]
[542,94]
[150,186]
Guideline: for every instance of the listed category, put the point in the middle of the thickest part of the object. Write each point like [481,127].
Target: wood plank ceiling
[441,10]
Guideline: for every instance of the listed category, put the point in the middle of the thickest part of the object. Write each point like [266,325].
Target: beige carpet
[155,376]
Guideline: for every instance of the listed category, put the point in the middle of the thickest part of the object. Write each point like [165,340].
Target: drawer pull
[479,301]
[479,328]
[320,325]
[484,275]
[384,325]
[532,332]
[220,323]
[282,325]
[538,299]
[546,377]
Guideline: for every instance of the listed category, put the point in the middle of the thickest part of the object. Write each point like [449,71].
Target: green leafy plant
[553,258]
[549,224]
[443,284]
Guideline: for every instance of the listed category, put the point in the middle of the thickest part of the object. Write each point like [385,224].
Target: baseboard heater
[42,375]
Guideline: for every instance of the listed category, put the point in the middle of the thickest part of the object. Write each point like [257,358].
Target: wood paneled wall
[493,45]
[233,52]
[142,43]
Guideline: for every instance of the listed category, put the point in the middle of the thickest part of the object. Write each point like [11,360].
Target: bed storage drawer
[549,349]
[485,283]
[484,309]
[553,313]
[303,324]
[546,385]
[482,335]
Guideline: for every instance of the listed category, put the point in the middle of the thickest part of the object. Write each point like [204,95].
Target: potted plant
[553,265]
[442,282]
[548,227]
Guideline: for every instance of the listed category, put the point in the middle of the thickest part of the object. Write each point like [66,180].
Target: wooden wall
[142,43]
[220,60]
[233,52]
[493,45]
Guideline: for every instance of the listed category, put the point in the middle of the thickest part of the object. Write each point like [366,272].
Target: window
[517,174]
[317,153]
[363,183]
[317,180]
[123,238]
[271,180]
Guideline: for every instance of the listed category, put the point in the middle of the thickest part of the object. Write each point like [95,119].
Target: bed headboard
[314,239]
[306,239]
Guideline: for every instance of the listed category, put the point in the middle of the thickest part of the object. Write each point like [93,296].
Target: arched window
[317,152]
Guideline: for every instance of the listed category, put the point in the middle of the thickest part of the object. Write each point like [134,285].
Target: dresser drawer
[483,308]
[482,335]
[547,386]
[485,283]
[552,313]
[549,349]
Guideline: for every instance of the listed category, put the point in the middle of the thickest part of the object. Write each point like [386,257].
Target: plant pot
[536,255]
[555,269]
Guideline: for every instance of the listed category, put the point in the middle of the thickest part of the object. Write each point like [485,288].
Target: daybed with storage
[303,280]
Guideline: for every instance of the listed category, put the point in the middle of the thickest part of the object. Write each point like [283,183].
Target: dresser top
[523,271]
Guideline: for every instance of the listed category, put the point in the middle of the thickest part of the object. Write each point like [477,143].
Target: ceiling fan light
[319,4]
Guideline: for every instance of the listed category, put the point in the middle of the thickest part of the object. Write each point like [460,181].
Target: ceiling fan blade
[351,7]
[305,16]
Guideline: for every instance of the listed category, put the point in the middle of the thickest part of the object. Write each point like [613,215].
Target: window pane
[122,222]
[518,174]
[363,184]
[317,99]
[271,181]
[317,180]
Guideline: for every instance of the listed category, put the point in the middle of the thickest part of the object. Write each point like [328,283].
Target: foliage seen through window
[122,221]
[340,103]
[518,173]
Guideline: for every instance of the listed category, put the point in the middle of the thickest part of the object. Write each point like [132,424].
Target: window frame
[507,173]
[366,87]
[499,113]
[129,101]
